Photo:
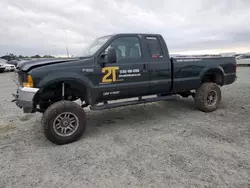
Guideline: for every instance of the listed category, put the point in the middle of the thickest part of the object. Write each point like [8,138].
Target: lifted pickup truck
[120,66]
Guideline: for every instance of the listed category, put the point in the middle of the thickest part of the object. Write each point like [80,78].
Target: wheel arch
[68,77]
[213,74]
[74,81]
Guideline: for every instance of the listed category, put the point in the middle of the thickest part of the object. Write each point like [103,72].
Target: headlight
[28,81]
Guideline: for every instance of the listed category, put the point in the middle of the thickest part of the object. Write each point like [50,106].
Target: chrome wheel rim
[65,124]
[212,98]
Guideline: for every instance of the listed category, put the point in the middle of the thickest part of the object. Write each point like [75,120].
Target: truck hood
[27,65]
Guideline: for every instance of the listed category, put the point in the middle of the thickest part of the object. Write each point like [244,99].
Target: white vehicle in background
[2,68]
[8,67]
[243,59]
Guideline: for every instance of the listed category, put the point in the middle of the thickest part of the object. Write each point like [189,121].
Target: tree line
[15,57]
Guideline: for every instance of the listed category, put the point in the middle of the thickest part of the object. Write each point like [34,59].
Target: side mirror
[111,56]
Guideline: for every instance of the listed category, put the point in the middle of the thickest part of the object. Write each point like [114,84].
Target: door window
[127,48]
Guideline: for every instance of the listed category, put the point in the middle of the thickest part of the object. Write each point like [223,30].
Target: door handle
[145,68]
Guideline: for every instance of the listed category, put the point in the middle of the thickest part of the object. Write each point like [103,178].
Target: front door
[129,76]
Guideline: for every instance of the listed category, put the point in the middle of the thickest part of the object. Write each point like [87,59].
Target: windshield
[3,61]
[95,45]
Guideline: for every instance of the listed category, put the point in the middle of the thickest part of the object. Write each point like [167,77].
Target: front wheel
[64,122]
[207,97]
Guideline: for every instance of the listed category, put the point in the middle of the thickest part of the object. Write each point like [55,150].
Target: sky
[30,27]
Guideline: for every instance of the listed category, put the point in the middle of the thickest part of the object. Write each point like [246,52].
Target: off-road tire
[56,109]
[201,95]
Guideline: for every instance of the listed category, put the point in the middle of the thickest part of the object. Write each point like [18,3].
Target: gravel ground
[163,144]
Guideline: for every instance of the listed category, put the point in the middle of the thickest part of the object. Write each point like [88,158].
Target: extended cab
[120,66]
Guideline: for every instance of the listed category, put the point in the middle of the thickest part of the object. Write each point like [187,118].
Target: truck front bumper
[24,98]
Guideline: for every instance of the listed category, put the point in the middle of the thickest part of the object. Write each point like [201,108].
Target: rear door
[129,76]
[159,65]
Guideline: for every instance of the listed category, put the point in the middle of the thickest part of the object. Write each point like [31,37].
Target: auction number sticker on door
[110,74]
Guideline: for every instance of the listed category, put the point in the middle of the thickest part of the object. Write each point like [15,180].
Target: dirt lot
[163,144]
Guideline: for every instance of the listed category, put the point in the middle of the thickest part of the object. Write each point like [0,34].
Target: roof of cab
[147,34]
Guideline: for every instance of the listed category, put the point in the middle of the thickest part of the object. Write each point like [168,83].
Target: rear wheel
[64,122]
[207,97]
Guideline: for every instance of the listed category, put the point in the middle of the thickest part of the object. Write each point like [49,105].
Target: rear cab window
[154,47]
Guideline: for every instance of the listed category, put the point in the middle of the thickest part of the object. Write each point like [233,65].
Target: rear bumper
[24,98]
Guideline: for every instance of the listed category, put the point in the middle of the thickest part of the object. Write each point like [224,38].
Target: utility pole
[67,50]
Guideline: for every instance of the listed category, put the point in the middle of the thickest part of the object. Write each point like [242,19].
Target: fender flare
[51,79]
[79,79]
[215,69]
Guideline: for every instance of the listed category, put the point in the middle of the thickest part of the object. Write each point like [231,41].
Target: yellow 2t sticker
[110,74]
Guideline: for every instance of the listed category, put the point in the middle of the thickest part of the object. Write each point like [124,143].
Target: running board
[128,103]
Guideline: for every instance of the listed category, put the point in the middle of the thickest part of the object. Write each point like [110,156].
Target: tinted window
[154,48]
[127,48]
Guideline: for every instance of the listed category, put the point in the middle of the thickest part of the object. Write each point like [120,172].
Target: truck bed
[187,73]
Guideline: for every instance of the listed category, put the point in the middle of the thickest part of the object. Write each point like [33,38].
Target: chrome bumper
[24,98]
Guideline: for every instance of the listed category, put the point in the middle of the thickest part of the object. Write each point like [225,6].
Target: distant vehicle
[6,65]
[13,62]
[243,56]
[243,59]
[116,67]
[2,68]
[3,61]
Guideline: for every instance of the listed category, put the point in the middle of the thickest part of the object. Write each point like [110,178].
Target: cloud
[31,27]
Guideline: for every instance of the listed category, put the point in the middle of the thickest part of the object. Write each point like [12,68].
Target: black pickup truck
[120,66]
